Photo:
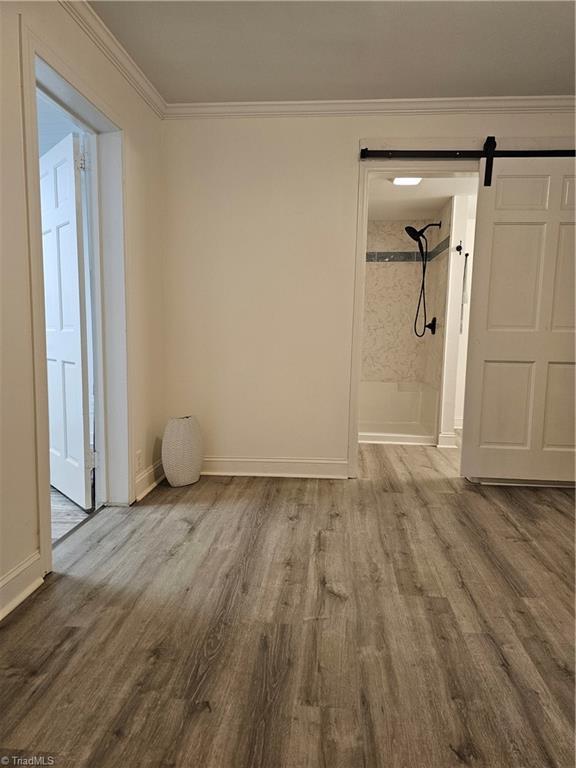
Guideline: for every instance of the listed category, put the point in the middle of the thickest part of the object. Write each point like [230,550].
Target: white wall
[23,478]
[468,246]
[259,241]
[259,273]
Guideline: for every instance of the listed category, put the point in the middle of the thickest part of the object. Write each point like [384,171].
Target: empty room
[288,383]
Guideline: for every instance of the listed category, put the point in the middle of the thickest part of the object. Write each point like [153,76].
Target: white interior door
[66,345]
[519,402]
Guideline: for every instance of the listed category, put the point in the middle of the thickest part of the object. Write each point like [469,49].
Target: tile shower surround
[399,370]
[407,255]
[391,352]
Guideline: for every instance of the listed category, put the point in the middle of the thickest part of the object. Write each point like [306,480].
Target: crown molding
[89,21]
[374,107]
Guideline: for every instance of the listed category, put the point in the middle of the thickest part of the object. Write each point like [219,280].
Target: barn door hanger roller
[488,151]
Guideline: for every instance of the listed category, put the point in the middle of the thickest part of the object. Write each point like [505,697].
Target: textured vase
[182,451]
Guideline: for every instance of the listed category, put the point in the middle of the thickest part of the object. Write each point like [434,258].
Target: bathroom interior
[417,228]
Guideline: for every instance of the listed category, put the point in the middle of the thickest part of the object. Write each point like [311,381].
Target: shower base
[400,433]
[396,412]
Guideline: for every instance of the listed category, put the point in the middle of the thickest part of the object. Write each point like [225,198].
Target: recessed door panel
[559,411]
[563,307]
[54,393]
[68,276]
[51,282]
[568,198]
[506,407]
[515,270]
[522,193]
[63,181]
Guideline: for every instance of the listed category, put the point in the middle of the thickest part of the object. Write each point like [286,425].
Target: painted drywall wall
[468,245]
[259,327]
[23,481]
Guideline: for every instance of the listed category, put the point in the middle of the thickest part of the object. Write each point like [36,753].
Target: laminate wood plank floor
[65,515]
[406,619]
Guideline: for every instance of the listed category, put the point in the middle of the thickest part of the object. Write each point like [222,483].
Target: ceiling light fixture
[406,181]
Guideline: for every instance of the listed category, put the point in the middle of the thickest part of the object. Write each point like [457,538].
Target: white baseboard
[447,440]
[148,479]
[522,483]
[19,582]
[275,467]
[388,438]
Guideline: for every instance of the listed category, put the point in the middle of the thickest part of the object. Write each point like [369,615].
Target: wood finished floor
[65,514]
[402,620]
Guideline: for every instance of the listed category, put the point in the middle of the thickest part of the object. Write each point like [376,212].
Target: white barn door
[66,337]
[519,403]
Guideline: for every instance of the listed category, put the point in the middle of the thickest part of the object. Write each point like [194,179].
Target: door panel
[64,293]
[563,308]
[519,404]
[516,266]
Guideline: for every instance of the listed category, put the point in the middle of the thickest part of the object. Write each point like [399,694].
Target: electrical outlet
[139,466]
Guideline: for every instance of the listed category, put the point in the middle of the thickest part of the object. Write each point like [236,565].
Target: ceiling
[298,51]
[387,202]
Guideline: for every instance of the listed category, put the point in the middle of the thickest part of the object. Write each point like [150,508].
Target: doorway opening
[66,161]
[419,241]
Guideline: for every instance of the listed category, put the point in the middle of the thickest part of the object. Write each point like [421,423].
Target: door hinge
[81,162]
[91,460]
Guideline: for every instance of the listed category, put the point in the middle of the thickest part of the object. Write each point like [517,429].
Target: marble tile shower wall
[437,285]
[390,237]
[391,352]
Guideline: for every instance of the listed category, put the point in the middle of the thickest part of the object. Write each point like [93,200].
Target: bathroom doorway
[418,262]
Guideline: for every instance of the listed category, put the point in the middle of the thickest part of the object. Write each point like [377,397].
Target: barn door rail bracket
[488,151]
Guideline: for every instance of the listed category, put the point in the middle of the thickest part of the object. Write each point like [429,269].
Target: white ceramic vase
[182,451]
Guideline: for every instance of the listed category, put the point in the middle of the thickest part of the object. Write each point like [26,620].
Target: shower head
[413,233]
[416,234]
